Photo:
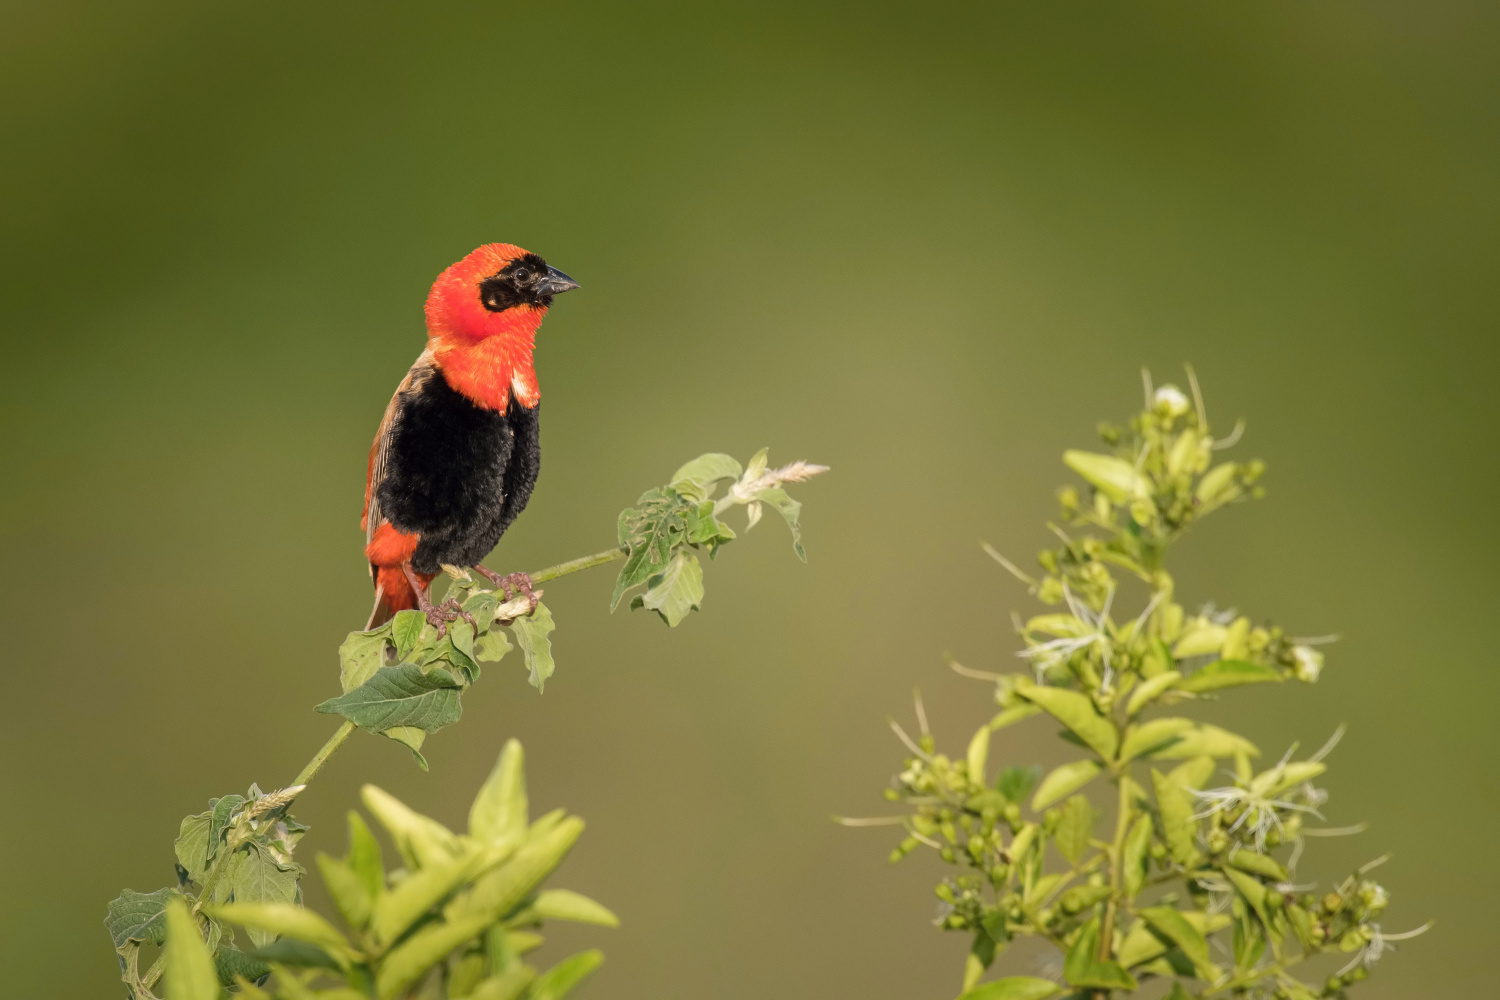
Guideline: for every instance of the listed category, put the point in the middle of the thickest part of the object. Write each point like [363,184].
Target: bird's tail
[393,593]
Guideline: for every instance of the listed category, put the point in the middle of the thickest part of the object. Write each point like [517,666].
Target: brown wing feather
[421,370]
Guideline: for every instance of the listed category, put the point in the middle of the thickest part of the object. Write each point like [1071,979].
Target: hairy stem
[321,757]
[574,565]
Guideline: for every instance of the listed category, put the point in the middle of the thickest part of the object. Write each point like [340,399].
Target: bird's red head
[482,318]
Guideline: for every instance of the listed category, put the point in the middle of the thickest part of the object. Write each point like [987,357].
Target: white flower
[1170,401]
[1307,663]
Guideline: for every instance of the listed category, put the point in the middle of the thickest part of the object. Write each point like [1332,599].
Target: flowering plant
[1196,884]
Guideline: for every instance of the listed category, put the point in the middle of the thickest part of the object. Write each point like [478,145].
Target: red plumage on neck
[484,355]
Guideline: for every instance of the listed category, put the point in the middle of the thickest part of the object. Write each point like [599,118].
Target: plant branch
[574,565]
[321,757]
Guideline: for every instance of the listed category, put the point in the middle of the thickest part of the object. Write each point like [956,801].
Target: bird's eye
[523,275]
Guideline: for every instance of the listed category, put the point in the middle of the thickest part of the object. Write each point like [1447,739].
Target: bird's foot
[439,615]
[519,582]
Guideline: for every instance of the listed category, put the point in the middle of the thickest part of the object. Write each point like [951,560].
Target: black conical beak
[555,283]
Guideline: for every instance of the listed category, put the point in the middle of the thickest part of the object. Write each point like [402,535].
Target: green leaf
[1015,783]
[1133,855]
[1081,966]
[420,839]
[1075,828]
[253,875]
[1257,864]
[500,809]
[1178,825]
[190,972]
[403,695]
[364,857]
[978,755]
[1228,673]
[698,477]
[497,891]
[1175,927]
[1149,690]
[1253,891]
[1114,477]
[507,985]
[138,916]
[410,737]
[706,529]
[406,629]
[1280,778]
[348,890]
[1153,735]
[1206,741]
[285,919]
[296,954]
[491,646]
[790,511]
[564,904]
[230,962]
[363,653]
[532,632]
[1014,988]
[1193,773]
[1010,716]
[1065,780]
[650,532]
[406,963]
[221,813]
[1077,712]
[559,980]
[414,895]
[1139,945]
[191,847]
[676,590]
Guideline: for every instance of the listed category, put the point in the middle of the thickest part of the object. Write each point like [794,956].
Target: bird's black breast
[457,473]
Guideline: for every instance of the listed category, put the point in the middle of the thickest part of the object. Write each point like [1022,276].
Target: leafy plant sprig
[1196,884]
[454,919]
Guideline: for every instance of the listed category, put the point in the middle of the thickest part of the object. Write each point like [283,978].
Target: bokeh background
[928,244]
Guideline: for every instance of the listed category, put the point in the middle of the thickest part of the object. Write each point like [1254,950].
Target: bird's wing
[421,370]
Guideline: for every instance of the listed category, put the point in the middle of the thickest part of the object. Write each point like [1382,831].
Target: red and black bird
[458,449]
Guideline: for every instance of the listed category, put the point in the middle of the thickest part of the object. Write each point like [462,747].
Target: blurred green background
[928,244]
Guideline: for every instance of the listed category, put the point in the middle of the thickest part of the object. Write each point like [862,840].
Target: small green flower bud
[1352,940]
[1050,591]
[943,891]
[1158,850]
[998,873]
[1333,985]
[947,854]
[1013,815]
[891,795]
[1332,903]
[1275,900]
[1358,974]
[1067,497]
[1169,402]
[1045,917]
[1218,840]
[1273,837]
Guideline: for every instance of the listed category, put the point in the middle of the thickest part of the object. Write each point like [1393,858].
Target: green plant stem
[321,757]
[574,565]
[540,576]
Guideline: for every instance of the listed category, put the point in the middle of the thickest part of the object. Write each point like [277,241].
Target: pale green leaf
[499,811]
[1257,864]
[498,890]
[1075,828]
[413,896]
[532,634]
[253,875]
[559,980]
[1114,477]
[1010,716]
[420,839]
[1081,966]
[1014,988]
[492,646]
[406,629]
[1134,855]
[790,511]
[1063,781]
[361,654]
[364,857]
[1175,927]
[138,916]
[1227,673]
[190,972]
[191,847]
[1152,735]
[1207,741]
[285,919]
[1015,783]
[978,755]
[675,591]
[1277,780]
[353,899]
[410,737]
[507,985]
[1077,712]
[1178,825]
[1151,689]
[699,477]
[564,904]
[406,963]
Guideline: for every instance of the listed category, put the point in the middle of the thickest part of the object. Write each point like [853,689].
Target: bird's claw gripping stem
[520,581]
[439,615]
